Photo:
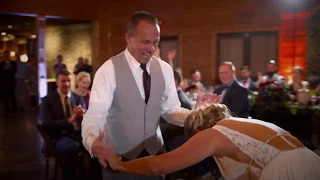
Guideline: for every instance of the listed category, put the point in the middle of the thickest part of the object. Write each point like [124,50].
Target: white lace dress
[300,163]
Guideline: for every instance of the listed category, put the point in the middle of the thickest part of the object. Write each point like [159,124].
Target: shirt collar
[243,80]
[229,84]
[133,63]
[62,95]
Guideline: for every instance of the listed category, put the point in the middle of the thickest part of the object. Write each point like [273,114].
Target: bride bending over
[243,149]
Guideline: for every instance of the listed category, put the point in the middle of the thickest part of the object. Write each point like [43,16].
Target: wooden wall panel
[196,22]
[197,50]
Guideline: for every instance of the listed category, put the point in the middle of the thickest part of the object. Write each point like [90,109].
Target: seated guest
[197,81]
[184,100]
[245,78]
[297,82]
[61,113]
[174,137]
[271,74]
[233,94]
[83,82]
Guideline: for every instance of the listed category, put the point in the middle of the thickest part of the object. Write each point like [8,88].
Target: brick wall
[71,42]
[196,23]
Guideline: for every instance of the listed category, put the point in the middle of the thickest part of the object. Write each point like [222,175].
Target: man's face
[64,83]
[80,61]
[196,77]
[143,42]
[226,74]
[271,69]
[244,74]
[60,59]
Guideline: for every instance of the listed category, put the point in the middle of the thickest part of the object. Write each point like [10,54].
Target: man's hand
[78,111]
[207,98]
[114,160]
[72,119]
[101,150]
[172,54]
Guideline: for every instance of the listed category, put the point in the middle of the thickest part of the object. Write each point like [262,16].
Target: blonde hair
[299,69]
[82,75]
[229,63]
[205,118]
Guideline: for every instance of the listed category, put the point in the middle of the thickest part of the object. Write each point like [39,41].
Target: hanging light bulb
[12,53]
[24,58]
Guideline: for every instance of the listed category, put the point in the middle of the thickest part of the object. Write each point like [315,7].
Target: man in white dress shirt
[130,92]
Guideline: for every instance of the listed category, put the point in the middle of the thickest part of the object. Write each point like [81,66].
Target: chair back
[49,145]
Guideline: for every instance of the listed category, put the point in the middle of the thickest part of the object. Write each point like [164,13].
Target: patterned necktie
[66,105]
[146,82]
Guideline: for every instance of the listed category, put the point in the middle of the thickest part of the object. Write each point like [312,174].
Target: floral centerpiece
[269,100]
[273,93]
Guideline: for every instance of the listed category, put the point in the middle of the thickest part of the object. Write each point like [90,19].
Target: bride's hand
[207,98]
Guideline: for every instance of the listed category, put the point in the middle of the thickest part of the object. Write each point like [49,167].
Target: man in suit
[61,113]
[129,94]
[8,68]
[245,78]
[233,94]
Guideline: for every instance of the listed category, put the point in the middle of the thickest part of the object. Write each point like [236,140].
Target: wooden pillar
[95,62]
[41,57]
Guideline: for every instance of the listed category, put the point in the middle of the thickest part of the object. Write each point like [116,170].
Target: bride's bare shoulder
[240,123]
[232,120]
[235,120]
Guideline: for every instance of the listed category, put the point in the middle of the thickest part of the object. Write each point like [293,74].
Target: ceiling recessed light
[3,33]
[9,26]
[12,53]
[24,58]
[33,36]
